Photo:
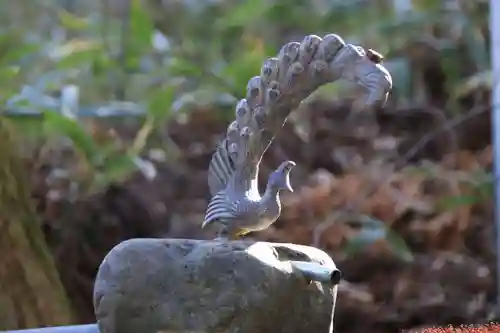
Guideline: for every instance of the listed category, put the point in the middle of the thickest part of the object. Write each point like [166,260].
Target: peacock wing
[221,207]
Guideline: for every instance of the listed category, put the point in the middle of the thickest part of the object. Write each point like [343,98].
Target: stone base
[184,285]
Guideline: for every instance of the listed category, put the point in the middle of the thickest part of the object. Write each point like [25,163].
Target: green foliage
[141,26]
[101,61]
[213,49]
[374,230]
[480,187]
[70,21]
[56,123]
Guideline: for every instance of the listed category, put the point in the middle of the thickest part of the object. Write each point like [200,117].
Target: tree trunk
[31,294]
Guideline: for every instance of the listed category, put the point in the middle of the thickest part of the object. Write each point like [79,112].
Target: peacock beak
[288,186]
[287,166]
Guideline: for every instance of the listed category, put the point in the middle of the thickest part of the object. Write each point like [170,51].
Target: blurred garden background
[110,111]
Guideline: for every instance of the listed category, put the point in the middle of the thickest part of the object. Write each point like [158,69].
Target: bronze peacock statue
[284,82]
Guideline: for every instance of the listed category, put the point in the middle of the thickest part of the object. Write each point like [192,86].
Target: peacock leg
[242,232]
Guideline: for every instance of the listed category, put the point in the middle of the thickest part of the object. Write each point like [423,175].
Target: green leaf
[15,55]
[8,72]
[399,246]
[364,239]
[182,67]
[57,124]
[76,54]
[242,69]
[427,5]
[70,21]
[116,168]
[486,189]
[141,26]
[452,202]
[160,103]
[12,49]
[374,230]
[101,64]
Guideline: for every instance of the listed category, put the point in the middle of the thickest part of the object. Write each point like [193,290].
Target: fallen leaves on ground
[414,240]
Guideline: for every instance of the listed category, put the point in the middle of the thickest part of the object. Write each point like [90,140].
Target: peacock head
[280,178]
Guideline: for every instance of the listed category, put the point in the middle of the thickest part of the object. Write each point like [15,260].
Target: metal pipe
[495,122]
[91,328]
[317,272]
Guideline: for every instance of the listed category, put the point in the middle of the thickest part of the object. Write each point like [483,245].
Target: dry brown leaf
[485,157]
[334,235]
[461,160]
[440,222]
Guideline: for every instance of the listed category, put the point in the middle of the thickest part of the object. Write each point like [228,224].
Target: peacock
[284,82]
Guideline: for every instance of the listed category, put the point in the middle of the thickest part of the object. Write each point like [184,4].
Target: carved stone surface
[179,285]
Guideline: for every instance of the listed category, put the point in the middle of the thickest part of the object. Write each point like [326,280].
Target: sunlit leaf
[141,26]
[76,54]
[70,21]
[159,104]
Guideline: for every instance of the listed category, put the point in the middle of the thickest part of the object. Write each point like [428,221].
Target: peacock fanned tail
[284,82]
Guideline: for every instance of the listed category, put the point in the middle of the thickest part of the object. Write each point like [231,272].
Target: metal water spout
[317,272]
